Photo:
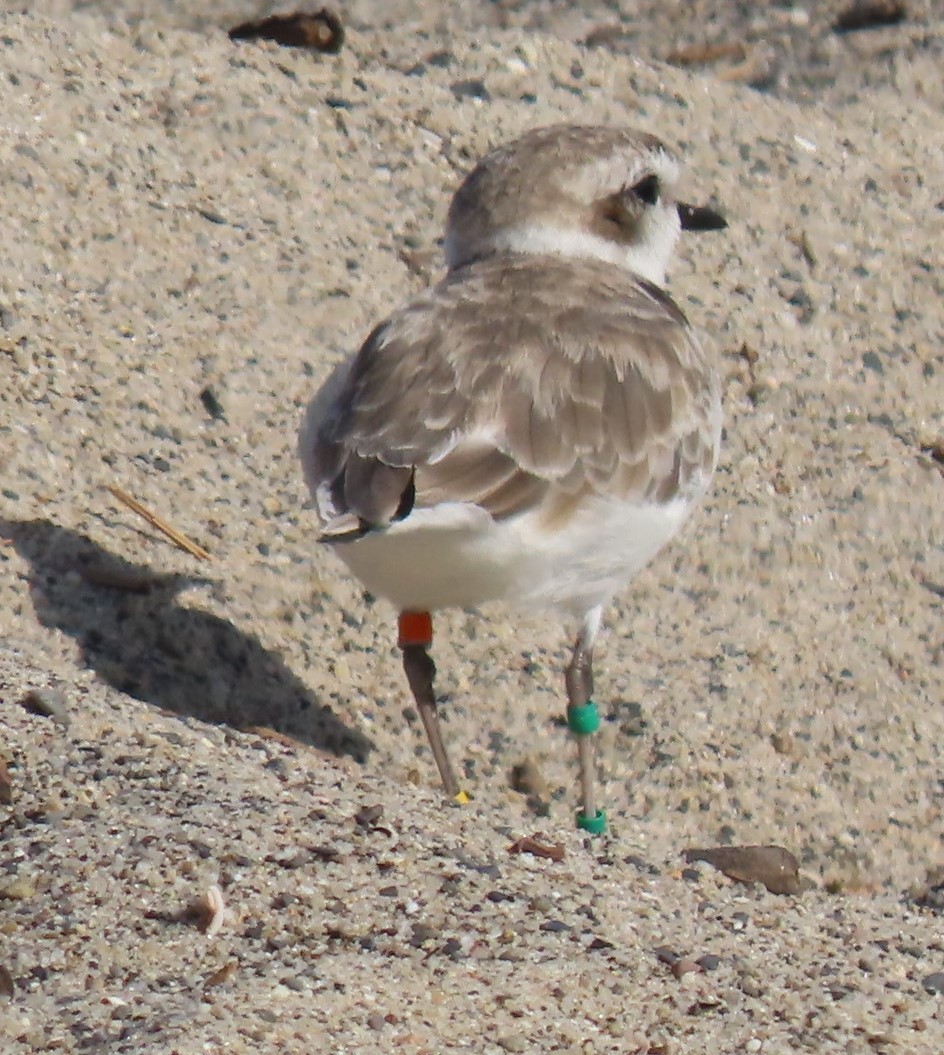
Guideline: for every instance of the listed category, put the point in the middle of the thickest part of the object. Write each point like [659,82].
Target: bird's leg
[584,720]
[415,637]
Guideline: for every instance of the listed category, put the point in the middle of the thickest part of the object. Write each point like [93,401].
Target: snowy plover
[534,428]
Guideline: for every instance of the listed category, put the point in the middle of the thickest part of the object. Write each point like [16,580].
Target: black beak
[700,218]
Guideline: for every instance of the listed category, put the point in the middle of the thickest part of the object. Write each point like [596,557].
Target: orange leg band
[415,628]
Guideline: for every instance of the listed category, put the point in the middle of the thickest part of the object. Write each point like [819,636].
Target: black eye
[647,189]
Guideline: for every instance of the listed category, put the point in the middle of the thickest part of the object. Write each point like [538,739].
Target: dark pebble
[600,943]
[422,933]
[640,865]
[931,895]
[709,962]
[527,779]
[934,983]
[472,89]
[367,816]
[212,405]
[554,926]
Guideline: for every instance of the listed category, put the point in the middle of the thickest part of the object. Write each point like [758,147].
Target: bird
[537,425]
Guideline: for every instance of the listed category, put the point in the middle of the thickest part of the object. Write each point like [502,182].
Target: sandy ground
[182,215]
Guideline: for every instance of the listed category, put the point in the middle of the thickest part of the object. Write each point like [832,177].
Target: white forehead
[580,160]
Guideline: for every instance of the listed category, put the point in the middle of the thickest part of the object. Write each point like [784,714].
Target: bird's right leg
[415,637]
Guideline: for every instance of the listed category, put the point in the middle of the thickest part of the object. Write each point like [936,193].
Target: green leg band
[584,720]
[592,825]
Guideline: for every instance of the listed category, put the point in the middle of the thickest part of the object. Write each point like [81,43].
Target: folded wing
[516,384]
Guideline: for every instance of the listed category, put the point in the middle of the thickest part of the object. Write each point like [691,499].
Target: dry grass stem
[158,522]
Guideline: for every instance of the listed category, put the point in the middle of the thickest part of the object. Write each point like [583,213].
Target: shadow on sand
[135,636]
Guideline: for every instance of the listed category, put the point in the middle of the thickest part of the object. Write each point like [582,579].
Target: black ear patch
[647,189]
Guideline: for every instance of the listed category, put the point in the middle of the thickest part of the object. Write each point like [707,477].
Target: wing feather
[515,381]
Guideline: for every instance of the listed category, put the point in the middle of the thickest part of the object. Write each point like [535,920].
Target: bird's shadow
[134,635]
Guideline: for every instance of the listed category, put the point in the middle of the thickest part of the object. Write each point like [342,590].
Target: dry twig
[158,522]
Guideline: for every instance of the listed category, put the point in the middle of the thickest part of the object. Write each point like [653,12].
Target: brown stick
[157,522]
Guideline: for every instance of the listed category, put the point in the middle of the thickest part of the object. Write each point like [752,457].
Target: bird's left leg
[583,718]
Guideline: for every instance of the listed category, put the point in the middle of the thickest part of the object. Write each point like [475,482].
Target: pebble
[934,983]
[684,965]
[513,1043]
[368,816]
[18,890]
[50,703]
[783,743]
[527,779]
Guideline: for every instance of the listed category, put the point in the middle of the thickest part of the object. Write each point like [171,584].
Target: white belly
[456,556]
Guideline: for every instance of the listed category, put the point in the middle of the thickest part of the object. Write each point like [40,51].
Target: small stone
[868,14]
[6,785]
[422,933]
[513,1043]
[683,965]
[600,943]
[212,405]
[50,703]
[222,975]
[750,986]
[7,987]
[783,743]
[367,816]
[18,890]
[376,1022]
[471,89]
[931,893]
[554,926]
[934,983]
[709,962]
[527,779]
